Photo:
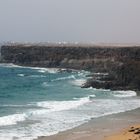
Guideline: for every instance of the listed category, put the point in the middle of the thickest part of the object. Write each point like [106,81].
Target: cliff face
[122,63]
[69,57]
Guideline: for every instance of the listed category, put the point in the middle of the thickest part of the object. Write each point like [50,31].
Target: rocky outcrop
[122,63]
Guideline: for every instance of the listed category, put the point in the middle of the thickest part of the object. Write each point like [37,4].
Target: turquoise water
[39,101]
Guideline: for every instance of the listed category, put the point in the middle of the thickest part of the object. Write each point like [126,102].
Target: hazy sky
[115,21]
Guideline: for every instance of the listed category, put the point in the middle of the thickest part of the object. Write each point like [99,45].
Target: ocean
[44,101]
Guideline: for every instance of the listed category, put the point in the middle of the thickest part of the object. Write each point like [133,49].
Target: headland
[117,66]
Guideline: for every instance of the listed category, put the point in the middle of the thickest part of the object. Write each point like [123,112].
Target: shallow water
[39,101]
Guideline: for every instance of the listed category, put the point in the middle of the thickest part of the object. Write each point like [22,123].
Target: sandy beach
[113,127]
[132,133]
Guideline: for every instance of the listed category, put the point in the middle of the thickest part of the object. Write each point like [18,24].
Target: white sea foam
[92,96]
[103,107]
[124,94]
[37,76]
[10,65]
[12,105]
[49,124]
[12,119]
[81,74]
[64,78]
[95,89]
[79,82]
[90,88]
[48,70]
[63,105]
[104,74]
[54,121]
[42,70]
[21,75]
[45,84]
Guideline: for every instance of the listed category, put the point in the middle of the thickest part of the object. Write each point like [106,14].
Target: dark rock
[132,130]
[138,132]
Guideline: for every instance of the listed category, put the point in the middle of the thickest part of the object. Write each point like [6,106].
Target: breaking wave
[78,82]
[12,119]
[124,94]
[64,78]
[63,105]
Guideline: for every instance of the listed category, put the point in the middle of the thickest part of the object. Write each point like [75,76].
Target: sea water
[41,101]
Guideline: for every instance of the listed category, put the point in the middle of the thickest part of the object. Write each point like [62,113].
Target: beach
[132,133]
[55,104]
[111,127]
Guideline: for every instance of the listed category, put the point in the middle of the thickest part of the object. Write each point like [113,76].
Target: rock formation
[122,63]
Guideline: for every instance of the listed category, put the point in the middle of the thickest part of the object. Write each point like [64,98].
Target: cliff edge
[121,63]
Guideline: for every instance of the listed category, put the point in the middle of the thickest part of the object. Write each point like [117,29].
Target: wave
[13,105]
[37,76]
[109,106]
[92,96]
[40,69]
[78,82]
[95,89]
[104,74]
[65,120]
[48,70]
[52,120]
[21,75]
[124,94]
[12,119]
[18,105]
[10,65]
[46,84]
[47,107]
[63,105]
[64,78]
[97,107]
[34,76]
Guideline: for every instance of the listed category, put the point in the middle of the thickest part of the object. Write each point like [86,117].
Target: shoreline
[99,128]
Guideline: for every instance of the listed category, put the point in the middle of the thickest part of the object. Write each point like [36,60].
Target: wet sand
[103,128]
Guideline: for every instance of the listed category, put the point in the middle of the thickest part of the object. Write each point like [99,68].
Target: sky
[98,21]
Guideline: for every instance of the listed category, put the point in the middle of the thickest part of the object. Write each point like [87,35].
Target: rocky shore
[113,67]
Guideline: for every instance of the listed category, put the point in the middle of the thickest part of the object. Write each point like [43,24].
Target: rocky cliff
[122,63]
